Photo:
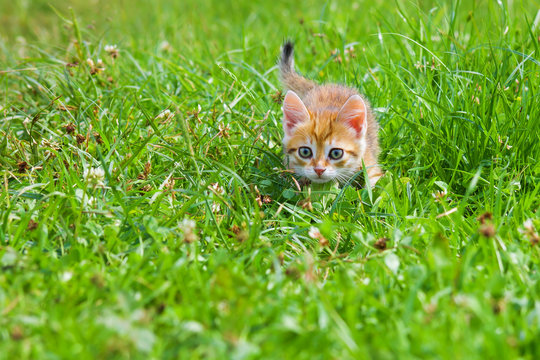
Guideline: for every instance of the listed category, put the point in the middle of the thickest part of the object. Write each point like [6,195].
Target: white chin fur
[319,180]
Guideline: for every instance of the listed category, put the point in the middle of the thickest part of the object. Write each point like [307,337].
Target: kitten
[329,129]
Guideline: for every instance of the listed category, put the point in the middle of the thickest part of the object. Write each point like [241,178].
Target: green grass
[120,272]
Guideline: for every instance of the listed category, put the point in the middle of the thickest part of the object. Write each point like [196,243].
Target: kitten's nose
[319,171]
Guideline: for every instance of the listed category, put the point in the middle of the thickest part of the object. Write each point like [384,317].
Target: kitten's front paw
[374,178]
[374,173]
[303,181]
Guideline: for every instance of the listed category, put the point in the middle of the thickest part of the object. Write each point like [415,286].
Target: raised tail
[290,78]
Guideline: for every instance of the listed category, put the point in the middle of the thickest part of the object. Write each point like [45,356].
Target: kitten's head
[324,145]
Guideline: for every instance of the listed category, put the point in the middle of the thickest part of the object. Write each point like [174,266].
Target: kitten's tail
[290,78]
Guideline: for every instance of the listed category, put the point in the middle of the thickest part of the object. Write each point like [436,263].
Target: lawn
[145,211]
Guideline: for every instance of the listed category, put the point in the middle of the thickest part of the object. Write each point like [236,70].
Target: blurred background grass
[217,26]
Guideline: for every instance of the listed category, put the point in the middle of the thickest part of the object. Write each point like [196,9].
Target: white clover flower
[112,50]
[187,226]
[439,195]
[528,225]
[100,65]
[530,231]
[218,189]
[314,233]
[92,202]
[165,114]
[165,46]
[216,207]
[95,177]
[95,68]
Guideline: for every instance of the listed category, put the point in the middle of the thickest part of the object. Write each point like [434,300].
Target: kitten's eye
[336,154]
[305,152]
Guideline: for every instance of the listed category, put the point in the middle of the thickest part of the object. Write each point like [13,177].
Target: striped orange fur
[330,130]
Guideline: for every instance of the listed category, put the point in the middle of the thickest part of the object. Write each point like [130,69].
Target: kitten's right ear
[294,112]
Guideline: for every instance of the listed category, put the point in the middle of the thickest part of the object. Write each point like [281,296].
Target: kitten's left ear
[354,114]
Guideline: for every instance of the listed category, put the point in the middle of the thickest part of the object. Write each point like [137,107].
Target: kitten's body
[325,121]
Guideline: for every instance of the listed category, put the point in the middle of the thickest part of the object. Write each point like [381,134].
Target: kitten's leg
[304,181]
[374,173]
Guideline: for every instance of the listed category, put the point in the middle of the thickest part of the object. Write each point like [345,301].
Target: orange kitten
[329,129]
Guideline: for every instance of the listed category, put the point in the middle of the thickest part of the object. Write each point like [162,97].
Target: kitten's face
[322,156]
[326,145]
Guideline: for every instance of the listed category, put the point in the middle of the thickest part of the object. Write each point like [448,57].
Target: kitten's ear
[354,114]
[294,112]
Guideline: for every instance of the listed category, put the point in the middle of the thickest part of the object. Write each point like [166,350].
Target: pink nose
[319,171]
